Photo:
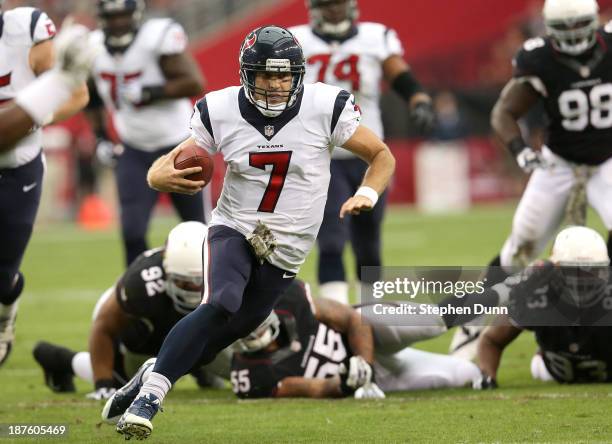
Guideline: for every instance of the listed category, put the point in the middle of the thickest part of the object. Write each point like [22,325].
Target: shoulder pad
[17,24]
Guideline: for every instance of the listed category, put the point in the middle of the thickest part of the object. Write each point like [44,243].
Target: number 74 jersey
[577,96]
[277,167]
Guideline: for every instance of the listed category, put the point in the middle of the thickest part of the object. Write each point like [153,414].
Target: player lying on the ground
[320,348]
[576,278]
[132,318]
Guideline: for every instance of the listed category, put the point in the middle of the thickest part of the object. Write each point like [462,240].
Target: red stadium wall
[434,29]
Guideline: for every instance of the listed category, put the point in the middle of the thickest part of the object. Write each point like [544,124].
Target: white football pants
[542,207]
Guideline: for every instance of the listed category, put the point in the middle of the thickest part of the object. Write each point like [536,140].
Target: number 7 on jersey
[280,166]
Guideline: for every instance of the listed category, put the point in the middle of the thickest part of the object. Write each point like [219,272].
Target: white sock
[81,366]
[8,311]
[44,96]
[336,290]
[157,384]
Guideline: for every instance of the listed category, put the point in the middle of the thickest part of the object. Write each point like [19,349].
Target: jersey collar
[329,40]
[267,126]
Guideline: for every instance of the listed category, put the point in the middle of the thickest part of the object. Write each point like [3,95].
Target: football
[194,156]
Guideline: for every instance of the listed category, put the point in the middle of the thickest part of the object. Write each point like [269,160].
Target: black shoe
[54,361]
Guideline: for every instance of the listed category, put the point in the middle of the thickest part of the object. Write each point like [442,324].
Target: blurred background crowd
[462,55]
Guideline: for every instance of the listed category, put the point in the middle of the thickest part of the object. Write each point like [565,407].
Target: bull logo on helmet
[250,41]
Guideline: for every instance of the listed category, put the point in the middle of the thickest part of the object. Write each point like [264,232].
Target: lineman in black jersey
[133,317]
[570,71]
[321,348]
[567,303]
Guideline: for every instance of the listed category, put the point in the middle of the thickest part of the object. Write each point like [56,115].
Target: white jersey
[20,30]
[354,64]
[162,123]
[277,168]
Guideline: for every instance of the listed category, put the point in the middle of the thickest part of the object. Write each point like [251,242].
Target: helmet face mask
[333,18]
[266,54]
[120,21]
[185,291]
[582,255]
[261,337]
[571,24]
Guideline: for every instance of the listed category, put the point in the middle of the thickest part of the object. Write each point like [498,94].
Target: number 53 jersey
[577,95]
[277,167]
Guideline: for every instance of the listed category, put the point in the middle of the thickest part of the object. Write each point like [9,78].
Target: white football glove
[102,394]
[359,372]
[107,152]
[529,159]
[369,391]
[75,52]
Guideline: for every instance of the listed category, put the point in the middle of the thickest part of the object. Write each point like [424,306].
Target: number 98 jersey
[577,94]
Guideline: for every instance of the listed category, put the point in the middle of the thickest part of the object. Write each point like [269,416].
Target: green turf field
[67,269]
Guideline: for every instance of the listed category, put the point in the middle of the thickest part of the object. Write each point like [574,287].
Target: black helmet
[271,49]
[118,40]
[324,26]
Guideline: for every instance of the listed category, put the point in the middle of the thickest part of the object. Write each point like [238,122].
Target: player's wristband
[104,383]
[406,85]
[517,145]
[368,192]
[152,93]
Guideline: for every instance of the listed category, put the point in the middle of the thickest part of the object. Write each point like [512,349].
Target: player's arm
[344,319]
[494,340]
[183,76]
[106,328]
[42,59]
[397,73]
[299,387]
[366,145]
[15,124]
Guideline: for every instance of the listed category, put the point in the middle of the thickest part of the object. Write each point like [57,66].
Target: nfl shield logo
[269,130]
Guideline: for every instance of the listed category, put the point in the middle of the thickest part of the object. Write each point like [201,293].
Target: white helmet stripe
[206,270]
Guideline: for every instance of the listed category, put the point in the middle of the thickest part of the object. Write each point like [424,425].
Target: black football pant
[20,191]
[137,200]
[239,293]
[363,230]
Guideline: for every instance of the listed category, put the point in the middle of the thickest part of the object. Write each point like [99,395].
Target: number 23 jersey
[577,95]
[277,168]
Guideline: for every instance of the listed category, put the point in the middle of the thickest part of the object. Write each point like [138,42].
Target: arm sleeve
[42,27]
[201,127]
[391,45]
[174,41]
[345,119]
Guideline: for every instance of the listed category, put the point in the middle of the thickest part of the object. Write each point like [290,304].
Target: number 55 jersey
[354,63]
[577,95]
[277,167]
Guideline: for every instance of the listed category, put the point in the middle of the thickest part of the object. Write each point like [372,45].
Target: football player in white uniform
[276,136]
[144,79]
[356,57]
[26,51]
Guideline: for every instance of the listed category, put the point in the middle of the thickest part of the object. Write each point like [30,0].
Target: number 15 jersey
[277,167]
[577,95]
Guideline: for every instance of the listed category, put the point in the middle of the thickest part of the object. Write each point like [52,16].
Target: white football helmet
[183,265]
[583,256]
[261,337]
[571,24]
